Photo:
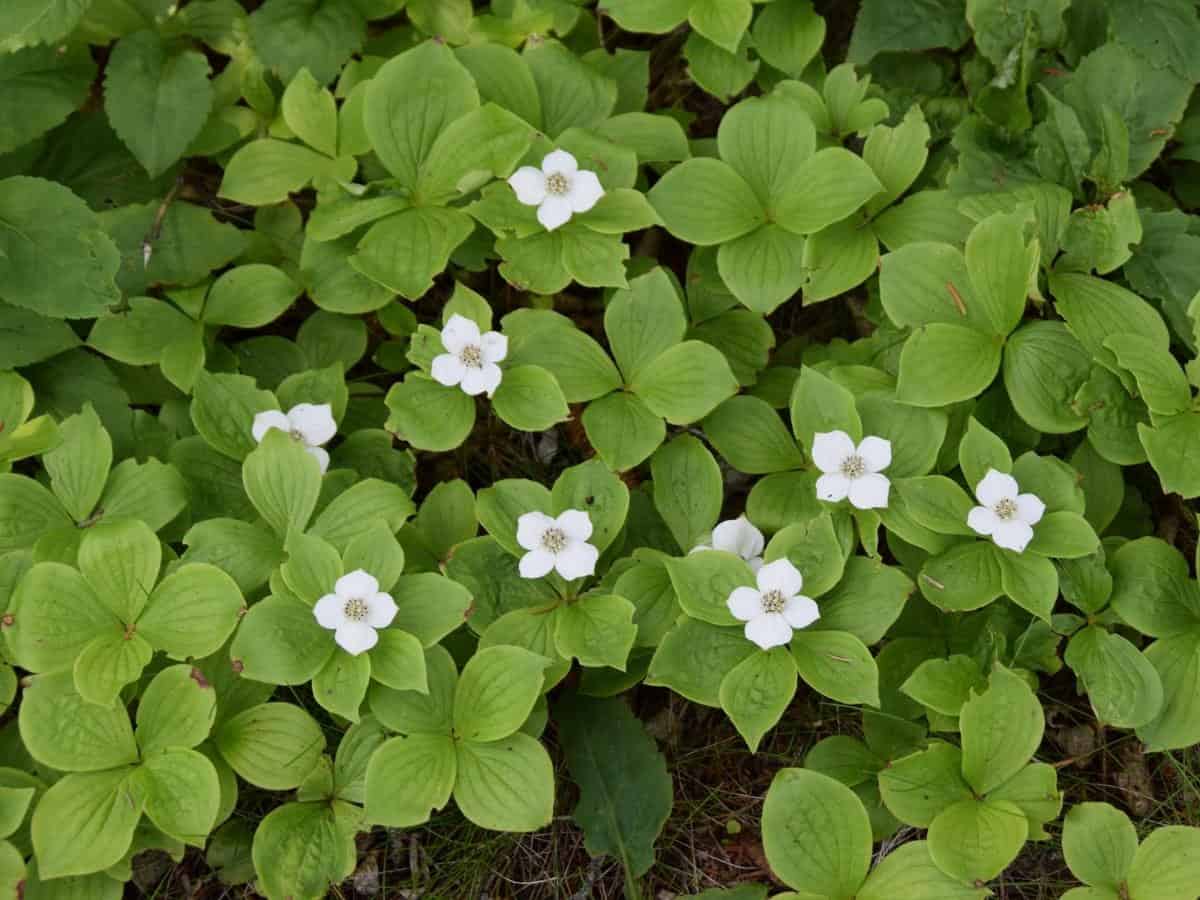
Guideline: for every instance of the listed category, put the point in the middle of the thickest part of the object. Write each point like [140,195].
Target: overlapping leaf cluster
[967,237]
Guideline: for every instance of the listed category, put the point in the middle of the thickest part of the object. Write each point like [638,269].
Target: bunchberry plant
[401,401]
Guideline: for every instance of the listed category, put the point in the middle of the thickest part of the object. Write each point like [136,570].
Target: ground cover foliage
[692,447]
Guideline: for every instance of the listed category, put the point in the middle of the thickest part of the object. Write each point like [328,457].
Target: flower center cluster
[471,356]
[557,183]
[1005,509]
[773,601]
[854,467]
[296,435]
[554,540]
[355,609]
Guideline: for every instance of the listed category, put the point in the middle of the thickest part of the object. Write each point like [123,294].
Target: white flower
[737,536]
[470,358]
[556,544]
[354,610]
[558,189]
[776,607]
[310,424]
[1006,516]
[851,471]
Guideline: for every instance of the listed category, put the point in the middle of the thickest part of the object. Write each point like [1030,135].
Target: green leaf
[301,849]
[622,429]
[885,26]
[591,487]
[40,87]
[918,787]
[924,283]
[705,202]
[79,466]
[310,112]
[896,156]
[625,791]
[716,70]
[496,692]
[816,833]
[813,547]
[272,745]
[29,338]
[55,614]
[182,794]
[937,503]
[405,251]
[1044,368]
[500,505]
[837,665]
[1166,864]
[866,601]
[1152,590]
[1159,379]
[932,350]
[55,257]
[751,437]
[63,731]
[223,409]
[999,264]
[965,577]
[341,684]
[192,612]
[572,93]
[688,489]
[485,143]
[1177,661]
[398,661]
[265,171]
[580,365]
[597,630]
[85,822]
[108,663]
[415,712]
[248,553]
[703,582]
[821,404]
[431,763]
[503,77]
[1170,447]
[249,296]
[1030,581]
[120,561]
[756,692]
[909,873]
[694,657]
[789,36]
[529,399]
[1064,535]
[975,840]
[1099,843]
[505,785]
[31,22]
[1122,685]
[317,34]
[402,120]
[1001,730]
[283,482]
[980,450]
[839,258]
[644,321]
[686,382]
[765,140]
[763,268]
[826,188]
[157,102]
[139,335]
[177,710]
[944,685]
[428,415]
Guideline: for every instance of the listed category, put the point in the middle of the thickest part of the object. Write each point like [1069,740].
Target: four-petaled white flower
[470,358]
[776,607]
[354,610]
[851,471]
[558,189]
[556,544]
[1006,516]
[309,423]
[737,536]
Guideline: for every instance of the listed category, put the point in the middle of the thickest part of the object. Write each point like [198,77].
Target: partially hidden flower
[560,544]
[850,471]
[737,536]
[470,358]
[775,608]
[559,189]
[309,423]
[354,611]
[1005,515]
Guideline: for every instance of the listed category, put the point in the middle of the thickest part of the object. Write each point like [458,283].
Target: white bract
[559,544]
[309,423]
[354,610]
[558,189]
[775,608]
[737,536]
[1006,516]
[850,471]
[470,358]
